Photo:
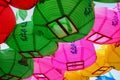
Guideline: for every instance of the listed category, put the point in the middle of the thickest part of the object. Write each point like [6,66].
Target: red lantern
[23,4]
[2,3]
[7,21]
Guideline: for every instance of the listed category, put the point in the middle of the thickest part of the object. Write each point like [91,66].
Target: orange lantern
[99,67]
[74,75]
[113,55]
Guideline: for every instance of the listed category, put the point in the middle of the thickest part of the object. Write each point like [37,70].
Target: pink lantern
[74,56]
[117,8]
[106,28]
[43,70]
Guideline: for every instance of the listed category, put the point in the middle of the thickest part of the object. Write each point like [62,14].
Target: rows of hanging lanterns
[58,42]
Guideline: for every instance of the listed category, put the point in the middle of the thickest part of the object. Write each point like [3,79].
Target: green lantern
[108,1]
[64,20]
[29,44]
[11,67]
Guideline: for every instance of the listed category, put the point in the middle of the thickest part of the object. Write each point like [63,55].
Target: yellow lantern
[74,75]
[113,55]
[99,67]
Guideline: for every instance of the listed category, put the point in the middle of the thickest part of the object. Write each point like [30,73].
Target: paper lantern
[74,75]
[106,28]
[3,3]
[106,77]
[61,22]
[118,6]
[99,67]
[11,68]
[113,55]
[22,4]
[7,21]
[29,44]
[76,55]
[43,70]
[108,1]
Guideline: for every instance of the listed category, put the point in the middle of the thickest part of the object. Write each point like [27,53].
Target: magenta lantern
[74,56]
[106,28]
[43,70]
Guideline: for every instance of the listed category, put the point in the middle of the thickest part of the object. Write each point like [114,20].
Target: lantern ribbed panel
[7,22]
[99,67]
[23,4]
[76,55]
[44,70]
[106,28]
[74,75]
[108,1]
[25,40]
[113,55]
[64,20]
[10,68]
